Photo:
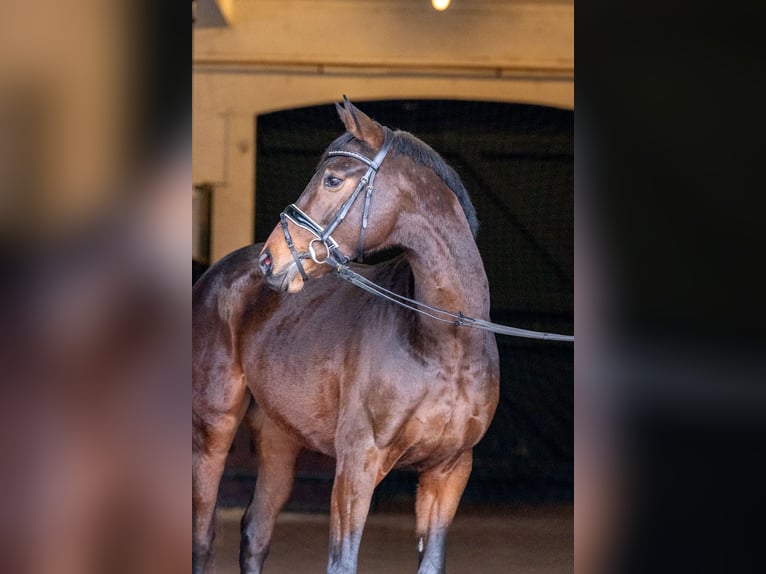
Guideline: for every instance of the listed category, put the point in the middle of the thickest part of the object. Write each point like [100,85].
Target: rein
[343,271]
[336,259]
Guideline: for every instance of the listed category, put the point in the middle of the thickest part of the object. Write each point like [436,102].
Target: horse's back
[218,300]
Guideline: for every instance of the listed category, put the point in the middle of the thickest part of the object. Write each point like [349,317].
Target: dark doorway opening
[517,162]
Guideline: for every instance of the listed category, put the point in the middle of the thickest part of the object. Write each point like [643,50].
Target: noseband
[323,235]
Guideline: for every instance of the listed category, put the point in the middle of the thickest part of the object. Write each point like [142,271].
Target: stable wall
[279,55]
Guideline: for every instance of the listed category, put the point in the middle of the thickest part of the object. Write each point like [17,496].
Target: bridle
[339,261]
[323,235]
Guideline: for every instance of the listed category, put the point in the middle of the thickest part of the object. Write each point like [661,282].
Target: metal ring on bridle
[313,253]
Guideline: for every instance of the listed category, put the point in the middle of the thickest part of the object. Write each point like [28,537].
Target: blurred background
[95,173]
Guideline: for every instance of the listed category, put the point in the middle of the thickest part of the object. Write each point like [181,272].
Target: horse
[316,363]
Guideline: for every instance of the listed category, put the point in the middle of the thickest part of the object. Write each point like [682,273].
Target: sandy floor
[518,540]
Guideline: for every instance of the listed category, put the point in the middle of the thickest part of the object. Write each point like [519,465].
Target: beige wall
[281,55]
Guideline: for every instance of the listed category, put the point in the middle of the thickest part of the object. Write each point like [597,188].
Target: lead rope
[458,319]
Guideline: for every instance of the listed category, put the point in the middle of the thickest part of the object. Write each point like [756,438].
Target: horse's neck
[448,272]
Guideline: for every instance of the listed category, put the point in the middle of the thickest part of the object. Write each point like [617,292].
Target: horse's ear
[359,124]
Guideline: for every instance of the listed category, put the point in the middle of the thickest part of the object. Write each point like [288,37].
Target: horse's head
[337,216]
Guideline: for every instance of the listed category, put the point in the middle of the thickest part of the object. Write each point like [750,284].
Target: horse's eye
[332,181]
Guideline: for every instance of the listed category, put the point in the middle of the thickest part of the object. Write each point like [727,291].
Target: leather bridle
[323,235]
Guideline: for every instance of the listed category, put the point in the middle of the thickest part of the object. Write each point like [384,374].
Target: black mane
[406,144]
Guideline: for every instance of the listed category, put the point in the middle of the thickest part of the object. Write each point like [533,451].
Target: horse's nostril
[265,262]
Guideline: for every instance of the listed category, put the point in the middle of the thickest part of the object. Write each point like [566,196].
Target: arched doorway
[517,162]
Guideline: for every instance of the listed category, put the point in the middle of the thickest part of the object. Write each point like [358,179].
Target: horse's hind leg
[214,423]
[277,452]
[439,492]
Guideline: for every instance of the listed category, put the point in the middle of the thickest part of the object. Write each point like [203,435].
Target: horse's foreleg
[277,452]
[357,472]
[212,434]
[439,492]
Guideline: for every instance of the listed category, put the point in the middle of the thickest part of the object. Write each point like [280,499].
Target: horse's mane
[406,144]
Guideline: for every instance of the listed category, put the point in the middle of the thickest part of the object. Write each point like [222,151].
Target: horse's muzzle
[266,263]
[285,281]
[266,267]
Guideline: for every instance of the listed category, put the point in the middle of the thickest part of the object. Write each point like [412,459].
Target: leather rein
[340,262]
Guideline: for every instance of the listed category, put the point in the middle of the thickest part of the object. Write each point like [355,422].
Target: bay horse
[317,363]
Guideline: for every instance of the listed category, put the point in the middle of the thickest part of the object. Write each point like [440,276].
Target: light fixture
[440,5]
